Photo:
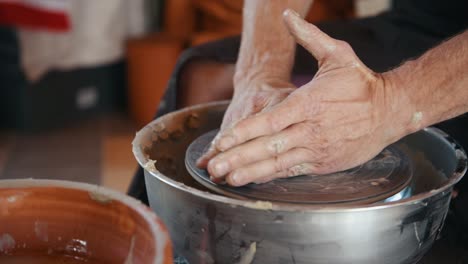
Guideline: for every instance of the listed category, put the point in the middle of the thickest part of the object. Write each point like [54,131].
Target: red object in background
[39,14]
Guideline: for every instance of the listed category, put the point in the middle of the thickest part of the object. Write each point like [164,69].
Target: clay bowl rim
[142,158]
[157,227]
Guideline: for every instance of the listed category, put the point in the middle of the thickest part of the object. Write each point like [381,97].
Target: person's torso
[444,18]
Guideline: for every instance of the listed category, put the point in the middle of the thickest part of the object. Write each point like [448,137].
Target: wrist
[403,115]
[253,76]
[259,82]
[250,76]
[261,62]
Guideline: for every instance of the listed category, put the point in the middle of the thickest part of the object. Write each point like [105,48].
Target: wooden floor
[96,151]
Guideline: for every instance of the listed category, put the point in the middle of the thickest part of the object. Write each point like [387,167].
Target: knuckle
[292,172]
[280,164]
[272,123]
[343,46]
[234,160]
[306,168]
[211,167]
[296,170]
[276,146]
[320,168]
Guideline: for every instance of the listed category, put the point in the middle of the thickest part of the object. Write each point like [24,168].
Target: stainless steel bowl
[209,228]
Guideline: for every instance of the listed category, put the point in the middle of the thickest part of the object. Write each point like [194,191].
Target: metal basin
[210,228]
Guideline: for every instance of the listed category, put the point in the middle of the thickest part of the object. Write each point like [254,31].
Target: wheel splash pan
[210,228]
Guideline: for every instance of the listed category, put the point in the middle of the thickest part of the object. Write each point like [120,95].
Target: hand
[340,119]
[251,96]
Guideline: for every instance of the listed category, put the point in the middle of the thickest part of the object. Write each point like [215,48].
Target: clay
[64,222]
[100,198]
[158,128]
[176,135]
[249,255]
[150,165]
[277,146]
[163,135]
[417,117]
[262,205]
[192,121]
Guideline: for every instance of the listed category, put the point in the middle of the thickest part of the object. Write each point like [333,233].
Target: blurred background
[78,78]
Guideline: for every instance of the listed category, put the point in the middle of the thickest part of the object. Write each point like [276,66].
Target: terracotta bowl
[68,222]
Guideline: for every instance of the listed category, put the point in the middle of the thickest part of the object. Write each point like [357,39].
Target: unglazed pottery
[55,220]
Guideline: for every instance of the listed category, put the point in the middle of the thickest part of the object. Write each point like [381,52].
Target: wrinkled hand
[340,119]
[251,96]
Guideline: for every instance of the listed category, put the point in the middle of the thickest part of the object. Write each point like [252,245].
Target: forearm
[434,87]
[267,49]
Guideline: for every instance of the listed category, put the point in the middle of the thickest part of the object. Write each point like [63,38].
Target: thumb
[310,37]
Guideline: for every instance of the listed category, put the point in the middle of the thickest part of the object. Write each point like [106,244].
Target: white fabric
[53,5]
[99,31]
[365,8]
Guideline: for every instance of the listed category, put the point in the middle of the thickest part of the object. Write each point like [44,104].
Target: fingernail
[290,11]
[226,143]
[217,180]
[201,162]
[221,168]
[234,179]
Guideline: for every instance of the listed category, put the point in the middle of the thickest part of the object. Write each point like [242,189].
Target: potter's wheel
[384,178]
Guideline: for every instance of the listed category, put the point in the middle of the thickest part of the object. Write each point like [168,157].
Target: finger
[291,163]
[212,151]
[265,123]
[230,119]
[283,174]
[259,149]
[309,36]
[228,122]
[203,161]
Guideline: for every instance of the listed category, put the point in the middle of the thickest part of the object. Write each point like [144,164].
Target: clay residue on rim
[248,256]
[261,205]
[150,165]
[99,197]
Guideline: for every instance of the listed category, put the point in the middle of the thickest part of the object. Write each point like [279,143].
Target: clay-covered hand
[342,118]
[252,95]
